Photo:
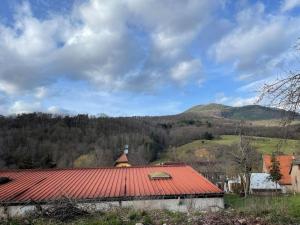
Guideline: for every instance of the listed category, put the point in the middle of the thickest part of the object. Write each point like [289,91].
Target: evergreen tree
[275,174]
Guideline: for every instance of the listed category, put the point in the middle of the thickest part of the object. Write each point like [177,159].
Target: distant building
[261,184]
[233,185]
[285,166]
[295,175]
[212,170]
[122,161]
[174,187]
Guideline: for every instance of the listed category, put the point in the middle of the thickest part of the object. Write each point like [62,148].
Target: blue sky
[147,57]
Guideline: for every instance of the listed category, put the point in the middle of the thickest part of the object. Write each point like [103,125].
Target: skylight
[159,175]
[4,180]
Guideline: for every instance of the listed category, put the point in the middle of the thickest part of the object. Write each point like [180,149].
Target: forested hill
[40,140]
[248,112]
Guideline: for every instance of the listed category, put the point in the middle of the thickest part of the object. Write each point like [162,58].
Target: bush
[207,136]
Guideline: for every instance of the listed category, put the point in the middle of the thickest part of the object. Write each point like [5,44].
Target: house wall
[182,205]
[295,176]
[288,188]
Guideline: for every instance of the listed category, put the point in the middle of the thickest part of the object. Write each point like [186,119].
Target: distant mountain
[249,112]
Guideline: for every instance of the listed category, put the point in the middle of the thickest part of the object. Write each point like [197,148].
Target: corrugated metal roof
[285,166]
[102,183]
[261,181]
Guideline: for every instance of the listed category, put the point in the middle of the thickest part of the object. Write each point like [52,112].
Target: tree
[207,136]
[245,157]
[275,174]
[283,93]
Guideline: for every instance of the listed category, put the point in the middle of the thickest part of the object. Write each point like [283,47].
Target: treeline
[39,140]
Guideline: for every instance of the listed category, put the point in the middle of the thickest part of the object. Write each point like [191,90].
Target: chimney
[126,149]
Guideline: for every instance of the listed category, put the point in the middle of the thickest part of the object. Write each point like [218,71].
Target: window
[4,180]
[159,175]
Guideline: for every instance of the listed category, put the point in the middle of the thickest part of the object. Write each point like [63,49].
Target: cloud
[288,5]
[221,98]
[57,110]
[184,69]
[40,92]
[100,42]
[19,107]
[259,44]
[244,101]
[235,101]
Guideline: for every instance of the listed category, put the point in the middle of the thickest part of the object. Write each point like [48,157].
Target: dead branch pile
[64,211]
[223,219]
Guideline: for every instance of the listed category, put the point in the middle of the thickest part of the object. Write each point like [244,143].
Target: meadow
[264,145]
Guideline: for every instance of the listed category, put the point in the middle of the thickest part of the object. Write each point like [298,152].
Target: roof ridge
[91,168]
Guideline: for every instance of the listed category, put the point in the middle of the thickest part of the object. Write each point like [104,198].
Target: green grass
[279,207]
[264,145]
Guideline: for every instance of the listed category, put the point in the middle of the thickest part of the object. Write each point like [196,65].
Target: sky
[149,57]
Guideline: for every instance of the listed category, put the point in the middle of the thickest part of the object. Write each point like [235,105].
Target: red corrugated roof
[102,183]
[285,166]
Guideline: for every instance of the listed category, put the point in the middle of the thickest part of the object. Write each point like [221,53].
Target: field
[264,145]
[276,207]
[271,123]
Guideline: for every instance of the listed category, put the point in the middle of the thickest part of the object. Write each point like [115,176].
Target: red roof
[285,166]
[103,184]
[122,159]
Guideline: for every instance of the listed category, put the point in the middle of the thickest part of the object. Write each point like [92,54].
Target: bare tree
[284,93]
[245,157]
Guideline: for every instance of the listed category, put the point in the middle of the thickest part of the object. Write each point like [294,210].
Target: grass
[271,123]
[264,145]
[276,207]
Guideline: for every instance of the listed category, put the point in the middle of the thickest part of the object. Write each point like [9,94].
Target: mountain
[248,112]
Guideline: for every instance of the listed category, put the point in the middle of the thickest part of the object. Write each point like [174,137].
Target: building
[211,170]
[261,184]
[122,161]
[173,187]
[295,175]
[285,166]
[234,185]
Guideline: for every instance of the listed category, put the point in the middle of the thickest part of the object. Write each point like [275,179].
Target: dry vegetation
[240,211]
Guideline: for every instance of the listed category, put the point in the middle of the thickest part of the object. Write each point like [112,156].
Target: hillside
[249,112]
[219,149]
[38,140]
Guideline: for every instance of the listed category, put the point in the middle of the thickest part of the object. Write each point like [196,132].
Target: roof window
[4,180]
[159,175]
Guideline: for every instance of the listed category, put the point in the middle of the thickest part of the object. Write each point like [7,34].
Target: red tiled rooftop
[285,165]
[103,184]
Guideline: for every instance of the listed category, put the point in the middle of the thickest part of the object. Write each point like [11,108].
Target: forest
[39,140]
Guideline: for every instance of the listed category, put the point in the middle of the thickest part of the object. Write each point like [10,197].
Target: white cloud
[98,43]
[57,110]
[221,98]
[244,101]
[19,107]
[289,5]
[183,70]
[40,92]
[8,87]
[235,101]
[259,44]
